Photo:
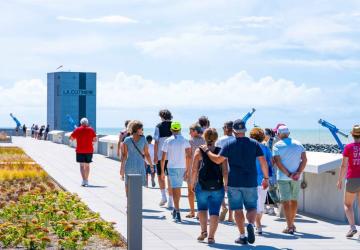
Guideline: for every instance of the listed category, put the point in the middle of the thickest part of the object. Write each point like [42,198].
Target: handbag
[274,193]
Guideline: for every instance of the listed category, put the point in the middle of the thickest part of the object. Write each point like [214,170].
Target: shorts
[353,185]
[176,177]
[158,168]
[84,158]
[148,169]
[209,200]
[289,190]
[239,197]
[261,199]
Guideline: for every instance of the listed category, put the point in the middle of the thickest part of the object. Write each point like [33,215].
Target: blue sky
[295,61]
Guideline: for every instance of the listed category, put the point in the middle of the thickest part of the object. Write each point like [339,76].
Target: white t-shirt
[151,152]
[223,140]
[175,147]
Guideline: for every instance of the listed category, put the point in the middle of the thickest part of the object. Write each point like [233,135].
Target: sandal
[211,241]
[190,215]
[288,230]
[202,236]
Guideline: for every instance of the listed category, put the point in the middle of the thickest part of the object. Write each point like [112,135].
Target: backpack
[210,173]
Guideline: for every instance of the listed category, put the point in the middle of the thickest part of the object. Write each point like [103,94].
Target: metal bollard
[134,212]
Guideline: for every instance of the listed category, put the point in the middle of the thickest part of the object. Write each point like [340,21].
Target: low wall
[11,131]
[319,195]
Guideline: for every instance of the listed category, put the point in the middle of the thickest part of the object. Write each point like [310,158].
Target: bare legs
[170,190]
[290,210]
[176,192]
[85,171]
[258,220]
[240,219]
[348,206]
[191,198]
[214,221]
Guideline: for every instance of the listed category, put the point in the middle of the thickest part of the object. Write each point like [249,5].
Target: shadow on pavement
[95,186]
[154,217]
[250,247]
[190,223]
[298,220]
[151,211]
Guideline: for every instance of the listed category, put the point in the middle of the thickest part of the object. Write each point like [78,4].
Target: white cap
[283,130]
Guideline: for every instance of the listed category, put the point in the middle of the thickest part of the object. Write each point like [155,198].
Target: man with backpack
[241,154]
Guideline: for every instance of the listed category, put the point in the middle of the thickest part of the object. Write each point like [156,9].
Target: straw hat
[356,130]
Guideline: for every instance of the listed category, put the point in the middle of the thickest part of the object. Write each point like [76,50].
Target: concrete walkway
[107,196]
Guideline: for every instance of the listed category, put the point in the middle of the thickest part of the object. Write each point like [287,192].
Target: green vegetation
[36,214]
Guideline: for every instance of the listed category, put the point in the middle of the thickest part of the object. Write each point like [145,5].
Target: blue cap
[239,126]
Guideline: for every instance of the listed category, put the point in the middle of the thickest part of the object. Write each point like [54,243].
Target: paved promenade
[107,196]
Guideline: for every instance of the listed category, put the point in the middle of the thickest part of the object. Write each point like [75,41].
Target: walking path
[107,196]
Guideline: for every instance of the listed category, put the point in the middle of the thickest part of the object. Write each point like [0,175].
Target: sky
[294,61]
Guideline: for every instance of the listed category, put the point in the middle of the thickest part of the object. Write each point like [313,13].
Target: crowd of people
[38,132]
[255,173]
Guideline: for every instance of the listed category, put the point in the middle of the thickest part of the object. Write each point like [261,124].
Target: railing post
[134,212]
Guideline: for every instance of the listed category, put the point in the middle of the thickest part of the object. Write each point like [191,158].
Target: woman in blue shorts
[208,180]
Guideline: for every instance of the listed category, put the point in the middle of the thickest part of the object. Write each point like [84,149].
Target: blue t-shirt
[290,152]
[241,154]
[268,156]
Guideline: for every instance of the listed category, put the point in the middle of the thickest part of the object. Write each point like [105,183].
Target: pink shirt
[352,151]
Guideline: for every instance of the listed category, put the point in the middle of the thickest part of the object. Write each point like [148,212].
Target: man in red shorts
[85,137]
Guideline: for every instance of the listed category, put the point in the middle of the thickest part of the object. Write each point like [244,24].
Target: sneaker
[178,217]
[351,233]
[85,183]
[223,214]
[271,211]
[173,213]
[259,230]
[241,240]
[162,202]
[251,233]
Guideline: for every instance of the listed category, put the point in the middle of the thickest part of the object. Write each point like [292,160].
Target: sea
[311,136]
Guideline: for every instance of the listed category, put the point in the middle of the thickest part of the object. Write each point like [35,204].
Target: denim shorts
[242,196]
[176,177]
[289,190]
[209,200]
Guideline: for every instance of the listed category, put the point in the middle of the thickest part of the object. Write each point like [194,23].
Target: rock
[326,148]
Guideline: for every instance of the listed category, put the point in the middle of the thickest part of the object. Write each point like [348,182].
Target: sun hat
[175,126]
[239,126]
[277,127]
[356,130]
[283,129]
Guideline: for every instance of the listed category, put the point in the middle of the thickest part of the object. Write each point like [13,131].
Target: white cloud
[237,91]
[103,19]
[26,99]
[189,44]
[24,94]
[325,34]
[289,100]
[335,64]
